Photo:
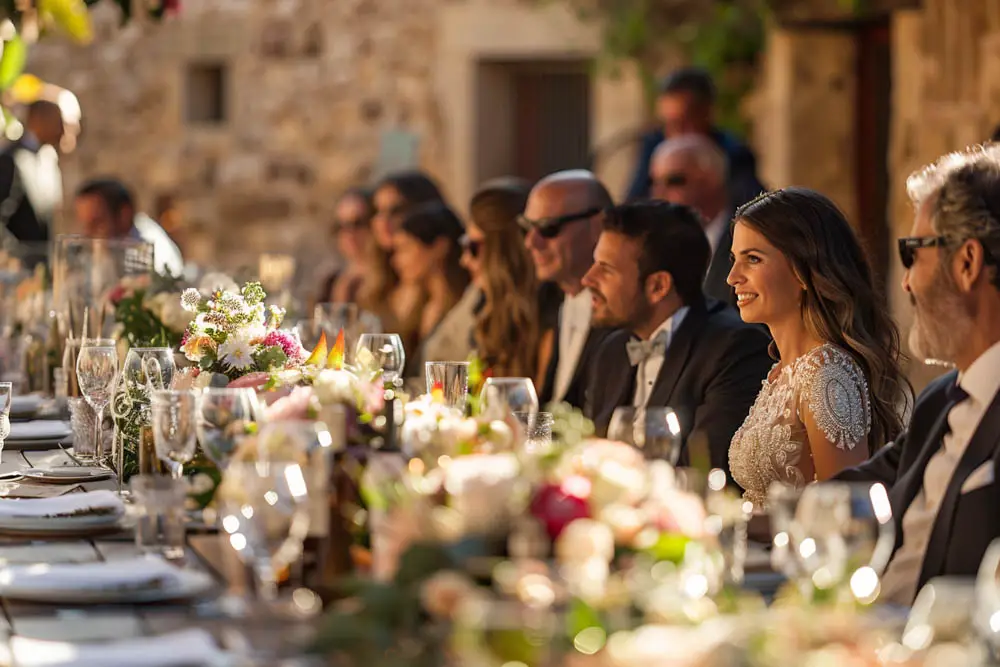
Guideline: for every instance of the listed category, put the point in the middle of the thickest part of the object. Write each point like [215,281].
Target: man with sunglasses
[691,170]
[562,222]
[941,473]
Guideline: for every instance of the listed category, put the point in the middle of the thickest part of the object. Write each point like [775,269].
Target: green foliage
[142,327]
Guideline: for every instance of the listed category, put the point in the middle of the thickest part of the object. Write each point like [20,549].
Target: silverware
[8,476]
[70,454]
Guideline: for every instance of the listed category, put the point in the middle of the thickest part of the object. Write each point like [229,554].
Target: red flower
[556,509]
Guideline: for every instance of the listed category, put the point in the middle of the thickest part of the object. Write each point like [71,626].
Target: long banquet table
[97,623]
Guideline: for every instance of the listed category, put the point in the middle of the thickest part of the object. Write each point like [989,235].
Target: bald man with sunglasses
[562,222]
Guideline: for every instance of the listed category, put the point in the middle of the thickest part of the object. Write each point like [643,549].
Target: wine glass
[500,397]
[96,371]
[654,431]
[386,353]
[6,394]
[265,510]
[223,419]
[174,418]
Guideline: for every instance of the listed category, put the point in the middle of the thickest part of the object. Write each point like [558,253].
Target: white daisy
[190,298]
[237,353]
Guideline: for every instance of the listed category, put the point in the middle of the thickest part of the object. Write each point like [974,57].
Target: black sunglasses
[549,228]
[674,181]
[471,246]
[908,246]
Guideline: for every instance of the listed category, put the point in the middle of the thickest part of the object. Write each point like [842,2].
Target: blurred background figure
[691,170]
[509,322]
[355,245]
[104,208]
[30,178]
[427,256]
[686,105]
[382,293]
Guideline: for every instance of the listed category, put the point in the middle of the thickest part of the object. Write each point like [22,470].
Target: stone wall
[312,86]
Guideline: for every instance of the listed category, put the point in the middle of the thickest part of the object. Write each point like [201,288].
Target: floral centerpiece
[148,311]
[235,334]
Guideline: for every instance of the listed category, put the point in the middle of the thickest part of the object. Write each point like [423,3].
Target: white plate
[35,445]
[56,525]
[189,584]
[68,474]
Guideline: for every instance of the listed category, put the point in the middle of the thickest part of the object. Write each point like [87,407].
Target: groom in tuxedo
[941,472]
[675,348]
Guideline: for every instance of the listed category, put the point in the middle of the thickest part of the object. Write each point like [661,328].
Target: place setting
[72,514]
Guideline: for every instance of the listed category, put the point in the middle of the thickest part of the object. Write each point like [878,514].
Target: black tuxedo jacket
[967,522]
[575,394]
[711,375]
[716,286]
[24,223]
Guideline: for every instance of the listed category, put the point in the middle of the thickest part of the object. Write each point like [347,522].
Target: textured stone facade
[311,86]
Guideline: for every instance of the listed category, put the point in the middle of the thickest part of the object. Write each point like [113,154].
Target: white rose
[334,387]
[480,488]
[173,315]
[584,540]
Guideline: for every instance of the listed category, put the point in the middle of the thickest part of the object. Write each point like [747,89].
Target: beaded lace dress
[772,444]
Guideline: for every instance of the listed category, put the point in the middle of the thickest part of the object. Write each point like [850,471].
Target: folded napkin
[39,429]
[176,649]
[131,573]
[91,502]
[25,404]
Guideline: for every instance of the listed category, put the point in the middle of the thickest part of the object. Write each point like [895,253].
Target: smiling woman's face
[767,289]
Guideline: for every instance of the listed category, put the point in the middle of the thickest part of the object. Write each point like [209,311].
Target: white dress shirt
[574,327]
[715,230]
[166,254]
[649,369]
[981,381]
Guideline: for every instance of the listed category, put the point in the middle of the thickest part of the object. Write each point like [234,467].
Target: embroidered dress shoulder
[833,388]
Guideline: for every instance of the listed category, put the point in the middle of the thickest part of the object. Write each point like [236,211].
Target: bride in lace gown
[834,395]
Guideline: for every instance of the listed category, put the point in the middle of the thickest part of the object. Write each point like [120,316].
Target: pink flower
[288,344]
[556,509]
[251,381]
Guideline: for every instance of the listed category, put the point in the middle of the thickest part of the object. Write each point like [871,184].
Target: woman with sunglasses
[837,391]
[355,245]
[508,328]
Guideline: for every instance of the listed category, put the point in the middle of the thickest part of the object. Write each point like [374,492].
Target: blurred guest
[427,254]
[382,293]
[355,245]
[686,105]
[508,325]
[691,170]
[833,397]
[105,209]
[563,221]
[30,178]
[676,349]
[393,195]
[941,472]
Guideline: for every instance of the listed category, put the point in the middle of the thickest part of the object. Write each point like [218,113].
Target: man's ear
[658,286]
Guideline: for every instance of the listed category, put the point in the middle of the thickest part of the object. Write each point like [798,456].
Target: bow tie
[641,350]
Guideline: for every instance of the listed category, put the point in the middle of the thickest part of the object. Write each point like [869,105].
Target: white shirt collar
[672,323]
[716,229]
[981,379]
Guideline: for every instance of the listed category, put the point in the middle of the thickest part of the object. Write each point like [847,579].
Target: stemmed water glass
[265,511]
[174,435]
[452,379]
[97,370]
[654,431]
[501,396]
[223,419]
[386,352]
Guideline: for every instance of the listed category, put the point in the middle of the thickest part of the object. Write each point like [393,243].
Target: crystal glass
[223,419]
[987,606]
[145,370]
[96,371]
[452,379]
[158,503]
[6,393]
[842,533]
[331,318]
[502,396]
[265,512]
[655,431]
[174,435]
[537,431]
[386,352]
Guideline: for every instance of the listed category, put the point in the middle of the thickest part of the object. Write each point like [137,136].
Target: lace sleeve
[833,389]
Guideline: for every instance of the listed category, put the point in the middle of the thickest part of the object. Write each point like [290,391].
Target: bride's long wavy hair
[842,304]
